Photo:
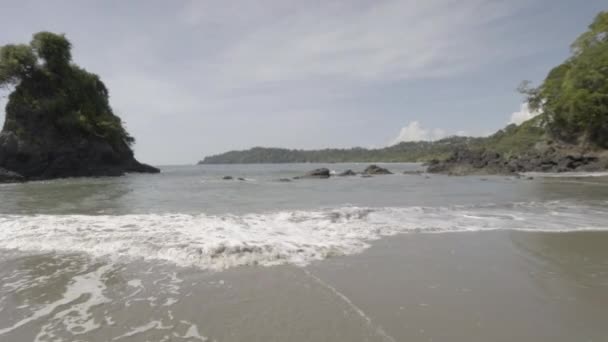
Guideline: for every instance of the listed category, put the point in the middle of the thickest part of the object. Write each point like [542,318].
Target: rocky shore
[548,159]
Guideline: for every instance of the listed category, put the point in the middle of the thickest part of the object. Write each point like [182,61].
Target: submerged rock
[318,173]
[227,178]
[347,173]
[376,170]
[284,180]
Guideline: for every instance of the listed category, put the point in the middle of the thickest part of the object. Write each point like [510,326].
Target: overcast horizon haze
[196,78]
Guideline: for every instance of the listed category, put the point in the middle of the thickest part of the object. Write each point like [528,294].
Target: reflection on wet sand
[476,286]
[567,266]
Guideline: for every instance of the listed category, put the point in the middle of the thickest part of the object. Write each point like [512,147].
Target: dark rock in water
[348,173]
[7,176]
[318,173]
[43,152]
[241,179]
[376,170]
[284,180]
[227,178]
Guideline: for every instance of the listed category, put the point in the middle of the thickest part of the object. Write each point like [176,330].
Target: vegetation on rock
[59,122]
[47,82]
[574,96]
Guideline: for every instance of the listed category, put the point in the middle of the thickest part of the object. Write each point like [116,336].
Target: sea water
[125,258]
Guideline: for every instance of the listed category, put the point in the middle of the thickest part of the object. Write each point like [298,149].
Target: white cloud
[523,115]
[413,131]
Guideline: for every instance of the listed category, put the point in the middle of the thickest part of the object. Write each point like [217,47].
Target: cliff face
[41,151]
[58,119]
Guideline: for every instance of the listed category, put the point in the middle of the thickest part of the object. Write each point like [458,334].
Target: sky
[195,78]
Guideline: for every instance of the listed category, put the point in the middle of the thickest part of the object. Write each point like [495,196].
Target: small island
[59,122]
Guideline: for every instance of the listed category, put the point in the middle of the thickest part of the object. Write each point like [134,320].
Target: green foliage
[515,140]
[16,62]
[54,49]
[45,81]
[596,35]
[574,96]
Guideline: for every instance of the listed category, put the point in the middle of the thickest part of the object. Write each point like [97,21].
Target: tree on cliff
[574,96]
[59,122]
[45,79]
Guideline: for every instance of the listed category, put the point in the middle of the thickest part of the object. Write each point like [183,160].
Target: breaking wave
[294,237]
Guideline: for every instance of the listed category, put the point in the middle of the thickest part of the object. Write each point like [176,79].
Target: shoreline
[474,287]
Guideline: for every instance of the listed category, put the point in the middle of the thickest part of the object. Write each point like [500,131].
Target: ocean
[188,256]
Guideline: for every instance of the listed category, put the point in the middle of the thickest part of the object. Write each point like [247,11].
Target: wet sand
[477,286]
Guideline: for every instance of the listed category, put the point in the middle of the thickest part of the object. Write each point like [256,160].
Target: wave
[576,174]
[218,242]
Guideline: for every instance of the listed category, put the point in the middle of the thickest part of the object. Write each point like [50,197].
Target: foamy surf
[288,237]
[566,174]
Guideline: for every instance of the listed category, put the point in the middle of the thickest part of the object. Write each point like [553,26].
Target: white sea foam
[566,174]
[296,237]
[76,317]
[152,325]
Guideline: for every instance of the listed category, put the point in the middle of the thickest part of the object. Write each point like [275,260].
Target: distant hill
[512,139]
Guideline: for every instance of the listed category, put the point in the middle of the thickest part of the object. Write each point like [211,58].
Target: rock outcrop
[347,173]
[59,122]
[471,162]
[317,173]
[376,170]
